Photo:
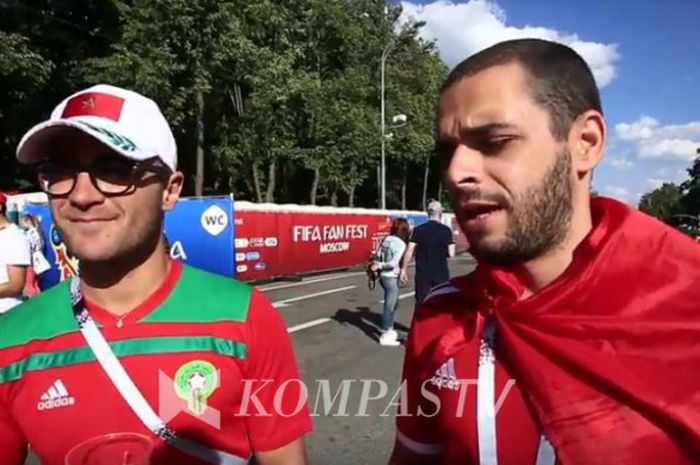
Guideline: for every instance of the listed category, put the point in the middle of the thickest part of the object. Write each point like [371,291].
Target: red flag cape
[609,353]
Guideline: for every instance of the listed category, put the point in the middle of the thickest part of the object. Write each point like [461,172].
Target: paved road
[333,320]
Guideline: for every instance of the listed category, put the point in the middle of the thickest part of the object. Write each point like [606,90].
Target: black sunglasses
[112,176]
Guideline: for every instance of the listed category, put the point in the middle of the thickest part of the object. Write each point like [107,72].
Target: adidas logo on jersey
[57,396]
[445,376]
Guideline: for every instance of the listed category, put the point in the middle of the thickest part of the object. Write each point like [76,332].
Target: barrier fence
[252,241]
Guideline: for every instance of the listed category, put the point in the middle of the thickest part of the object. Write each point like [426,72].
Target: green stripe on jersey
[198,297]
[124,348]
[44,317]
[203,297]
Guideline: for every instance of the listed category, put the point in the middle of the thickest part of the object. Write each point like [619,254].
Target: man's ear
[587,139]
[172,190]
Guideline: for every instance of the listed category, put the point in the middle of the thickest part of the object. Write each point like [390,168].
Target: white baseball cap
[127,122]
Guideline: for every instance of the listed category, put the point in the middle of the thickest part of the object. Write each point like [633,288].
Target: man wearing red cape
[576,341]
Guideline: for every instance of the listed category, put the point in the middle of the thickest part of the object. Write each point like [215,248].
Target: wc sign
[204,229]
[214,220]
[209,247]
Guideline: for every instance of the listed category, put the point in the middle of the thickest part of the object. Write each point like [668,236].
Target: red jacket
[609,353]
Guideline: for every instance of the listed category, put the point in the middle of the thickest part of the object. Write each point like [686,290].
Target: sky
[645,56]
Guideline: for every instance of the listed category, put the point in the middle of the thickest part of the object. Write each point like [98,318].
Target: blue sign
[416,220]
[198,232]
[252,256]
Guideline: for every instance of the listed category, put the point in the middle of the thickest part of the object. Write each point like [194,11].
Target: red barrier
[285,243]
[285,240]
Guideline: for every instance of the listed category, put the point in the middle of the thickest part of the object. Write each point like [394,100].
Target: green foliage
[277,100]
[676,205]
[662,203]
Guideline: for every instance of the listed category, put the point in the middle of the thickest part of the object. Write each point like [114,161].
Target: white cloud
[669,148]
[643,128]
[655,183]
[671,142]
[462,29]
[621,163]
[663,172]
[619,193]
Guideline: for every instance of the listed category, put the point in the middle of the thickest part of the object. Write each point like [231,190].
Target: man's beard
[538,219]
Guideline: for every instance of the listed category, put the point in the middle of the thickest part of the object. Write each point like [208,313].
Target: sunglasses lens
[54,180]
[114,176]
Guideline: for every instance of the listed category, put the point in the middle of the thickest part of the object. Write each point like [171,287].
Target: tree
[22,72]
[690,202]
[178,52]
[42,43]
[416,75]
[662,203]
[274,100]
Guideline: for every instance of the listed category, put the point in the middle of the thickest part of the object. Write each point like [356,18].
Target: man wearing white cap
[140,356]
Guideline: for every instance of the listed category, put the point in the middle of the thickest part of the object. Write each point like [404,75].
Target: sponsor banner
[285,243]
[199,232]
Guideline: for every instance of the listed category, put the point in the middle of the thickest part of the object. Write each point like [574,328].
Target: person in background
[432,243]
[388,263]
[32,229]
[15,258]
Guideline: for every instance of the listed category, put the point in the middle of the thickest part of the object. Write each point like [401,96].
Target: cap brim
[35,146]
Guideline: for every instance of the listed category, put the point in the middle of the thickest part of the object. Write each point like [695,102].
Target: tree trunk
[314,187]
[403,186]
[351,197]
[256,182]
[199,176]
[334,198]
[270,194]
[425,182]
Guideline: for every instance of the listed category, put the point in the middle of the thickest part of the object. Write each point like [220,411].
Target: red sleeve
[416,420]
[274,380]
[12,442]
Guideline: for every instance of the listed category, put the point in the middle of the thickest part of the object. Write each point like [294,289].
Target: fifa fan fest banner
[285,240]
[198,232]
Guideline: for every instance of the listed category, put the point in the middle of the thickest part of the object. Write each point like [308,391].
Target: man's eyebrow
[484,129]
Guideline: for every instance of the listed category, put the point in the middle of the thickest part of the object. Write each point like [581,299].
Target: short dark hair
[558,78]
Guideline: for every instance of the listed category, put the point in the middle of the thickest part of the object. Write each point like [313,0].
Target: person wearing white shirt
[15,257]
[388,263]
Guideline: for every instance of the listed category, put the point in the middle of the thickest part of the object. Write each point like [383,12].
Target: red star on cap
[89,103]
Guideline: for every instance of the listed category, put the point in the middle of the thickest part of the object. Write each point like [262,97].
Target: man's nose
[465,167]
[84,192]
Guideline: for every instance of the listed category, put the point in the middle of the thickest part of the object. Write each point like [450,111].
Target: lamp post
[385,53]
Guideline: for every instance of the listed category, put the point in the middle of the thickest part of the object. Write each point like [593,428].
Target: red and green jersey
[198,333]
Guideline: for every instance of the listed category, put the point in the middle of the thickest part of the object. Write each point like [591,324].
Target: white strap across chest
[131,394]
[486,405]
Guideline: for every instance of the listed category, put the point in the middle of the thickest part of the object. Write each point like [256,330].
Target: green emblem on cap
[121,142]
[195,381]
